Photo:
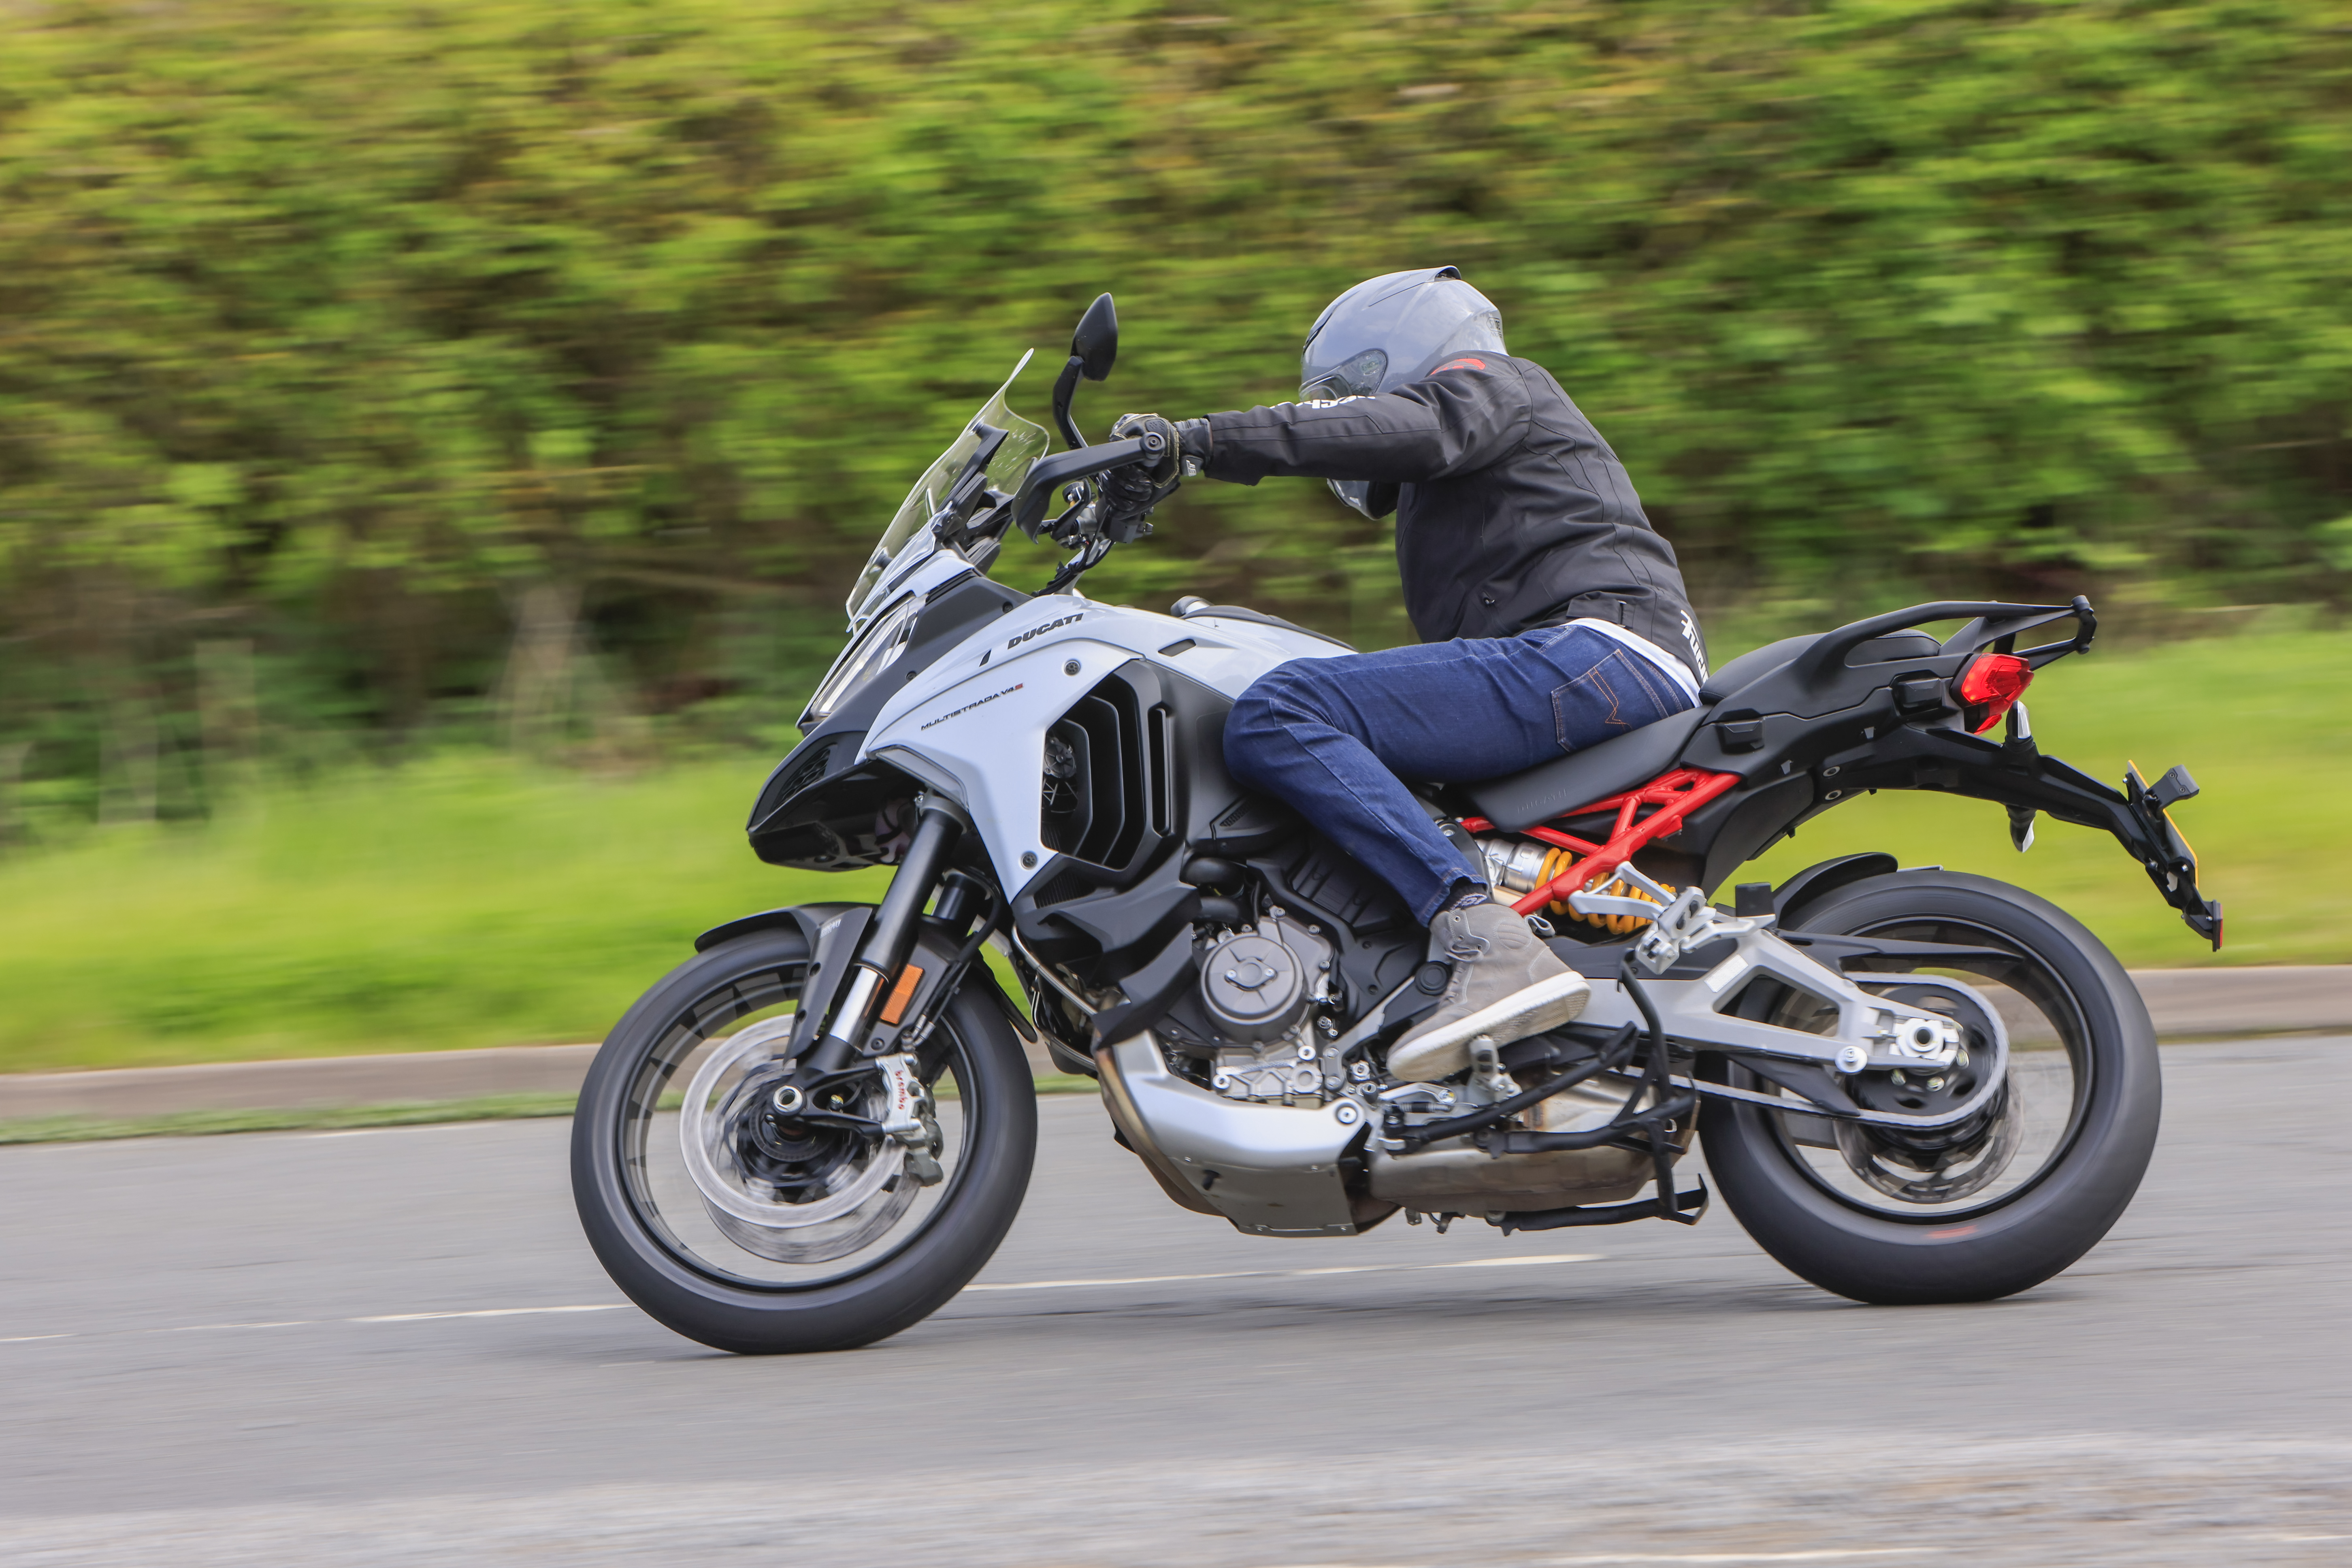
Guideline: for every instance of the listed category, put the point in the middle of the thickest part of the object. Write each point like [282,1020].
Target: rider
[1555,617]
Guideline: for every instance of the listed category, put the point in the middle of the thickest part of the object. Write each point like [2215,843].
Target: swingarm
[1873,1033]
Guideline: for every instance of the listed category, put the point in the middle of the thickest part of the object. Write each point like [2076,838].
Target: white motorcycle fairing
[974,725]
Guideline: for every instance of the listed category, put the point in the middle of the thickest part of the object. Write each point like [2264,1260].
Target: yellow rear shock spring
[1559,860]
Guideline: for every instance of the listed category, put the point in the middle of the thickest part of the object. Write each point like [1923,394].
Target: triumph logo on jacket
[1041,631]
[1690,635]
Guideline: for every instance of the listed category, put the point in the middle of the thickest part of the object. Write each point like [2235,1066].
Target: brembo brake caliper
[1873,1033]
[908,1117]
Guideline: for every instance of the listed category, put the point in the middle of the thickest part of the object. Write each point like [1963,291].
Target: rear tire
[689,1291]
[2025,1236]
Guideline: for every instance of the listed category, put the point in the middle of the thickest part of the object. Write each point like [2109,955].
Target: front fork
[857,976]
[842,1005]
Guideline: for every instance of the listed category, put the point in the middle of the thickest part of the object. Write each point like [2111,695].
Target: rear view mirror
[1095,345]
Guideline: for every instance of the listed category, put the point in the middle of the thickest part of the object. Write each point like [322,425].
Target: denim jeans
[1332,737]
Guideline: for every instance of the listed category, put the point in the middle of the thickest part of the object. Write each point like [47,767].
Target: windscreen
[908,536]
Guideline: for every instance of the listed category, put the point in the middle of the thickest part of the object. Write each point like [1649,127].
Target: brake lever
[1125,525]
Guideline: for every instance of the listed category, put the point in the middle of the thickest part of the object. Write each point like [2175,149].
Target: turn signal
[1990,687]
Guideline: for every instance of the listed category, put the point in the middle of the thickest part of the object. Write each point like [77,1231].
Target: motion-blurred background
[436,438]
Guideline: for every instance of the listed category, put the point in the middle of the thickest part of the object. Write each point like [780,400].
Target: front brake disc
[809,1221]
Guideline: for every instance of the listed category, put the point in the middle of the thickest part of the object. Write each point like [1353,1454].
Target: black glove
[1128,495]
[1170,461]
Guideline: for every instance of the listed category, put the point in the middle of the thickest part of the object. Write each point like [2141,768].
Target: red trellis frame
[1676,794]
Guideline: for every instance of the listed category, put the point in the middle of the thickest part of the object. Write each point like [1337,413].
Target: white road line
[401,1127]
[1290,1273]
[1008,1284]
[1138,1279]
[206,1328]
[1825,1556]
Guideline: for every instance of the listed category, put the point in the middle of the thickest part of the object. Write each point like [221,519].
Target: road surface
[393,1347]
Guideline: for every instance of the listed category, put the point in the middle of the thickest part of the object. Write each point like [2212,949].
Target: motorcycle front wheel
[760,1236]
[2023,1192]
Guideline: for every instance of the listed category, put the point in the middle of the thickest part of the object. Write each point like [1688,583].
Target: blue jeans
[1333,736]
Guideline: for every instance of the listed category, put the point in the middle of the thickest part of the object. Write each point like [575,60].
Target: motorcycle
[1911,1085]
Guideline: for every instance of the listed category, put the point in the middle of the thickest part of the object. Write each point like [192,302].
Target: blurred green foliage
[550,365]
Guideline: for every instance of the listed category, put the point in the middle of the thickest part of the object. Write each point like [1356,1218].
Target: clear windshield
[908,536]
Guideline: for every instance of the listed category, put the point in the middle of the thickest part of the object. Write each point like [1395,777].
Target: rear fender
[2018,775]
[2015,774]
[1788,900]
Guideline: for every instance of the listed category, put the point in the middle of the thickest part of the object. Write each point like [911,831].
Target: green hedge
[342,328]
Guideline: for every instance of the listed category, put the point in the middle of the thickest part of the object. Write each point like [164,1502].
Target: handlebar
[1048,474]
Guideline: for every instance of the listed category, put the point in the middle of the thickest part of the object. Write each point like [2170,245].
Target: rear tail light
[1989,687]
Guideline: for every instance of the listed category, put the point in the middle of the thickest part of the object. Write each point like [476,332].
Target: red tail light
[1990,687]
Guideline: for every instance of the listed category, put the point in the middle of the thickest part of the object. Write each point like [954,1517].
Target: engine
[1265,997]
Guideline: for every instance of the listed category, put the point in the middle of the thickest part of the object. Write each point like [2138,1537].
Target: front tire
[1846,1239]
[645,1225]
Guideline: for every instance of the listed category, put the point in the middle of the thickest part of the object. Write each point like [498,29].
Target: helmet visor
[1359,376]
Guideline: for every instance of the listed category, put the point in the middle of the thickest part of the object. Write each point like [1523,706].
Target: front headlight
[878,644]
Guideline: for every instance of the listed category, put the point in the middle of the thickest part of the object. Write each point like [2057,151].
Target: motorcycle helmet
[1386,332]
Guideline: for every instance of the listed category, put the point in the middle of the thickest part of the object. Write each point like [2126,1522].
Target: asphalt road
[393,1347]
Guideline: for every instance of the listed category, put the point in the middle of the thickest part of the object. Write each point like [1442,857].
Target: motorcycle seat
[1541,792]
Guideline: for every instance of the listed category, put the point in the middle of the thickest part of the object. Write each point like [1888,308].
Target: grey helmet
[1386,332]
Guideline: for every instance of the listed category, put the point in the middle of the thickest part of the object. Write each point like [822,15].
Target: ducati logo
[1041,631]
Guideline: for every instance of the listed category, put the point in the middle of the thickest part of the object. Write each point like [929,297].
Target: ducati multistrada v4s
[1913,1084]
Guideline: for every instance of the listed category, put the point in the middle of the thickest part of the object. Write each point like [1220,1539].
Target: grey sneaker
[1506,984]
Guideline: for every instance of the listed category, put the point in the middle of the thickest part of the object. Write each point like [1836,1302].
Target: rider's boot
[1505,985]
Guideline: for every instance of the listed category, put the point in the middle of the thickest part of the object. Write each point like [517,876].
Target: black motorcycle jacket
[1512,512]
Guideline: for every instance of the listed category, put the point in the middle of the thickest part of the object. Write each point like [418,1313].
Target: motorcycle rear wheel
[644,1219]
[1868,1248]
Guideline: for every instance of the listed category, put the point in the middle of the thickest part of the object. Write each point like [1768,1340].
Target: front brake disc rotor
[835,1212]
